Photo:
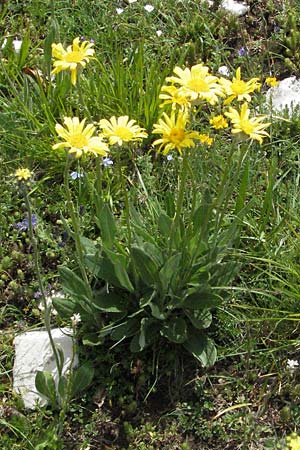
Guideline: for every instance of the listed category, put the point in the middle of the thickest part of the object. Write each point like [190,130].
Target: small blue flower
[107,162]
[23,225]
[242,51]
[74,175]
[37,294]
[169,157]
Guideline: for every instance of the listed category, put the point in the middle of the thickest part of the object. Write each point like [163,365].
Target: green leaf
[146,336]
[170,203]
[110,302]
[89,247]
[169,271]
[200,319]
[156,312]
[107,225]
[201,300]
[24,50]
[145,266]
[202,348]
[92,339]
[62,386]
[114,273]
[243,188]
[125,329]
[201,217]
[175,330]
[52,36]
[65,307]
[154,252]
[45,385]
[81,378]
[164,224]
[72,284]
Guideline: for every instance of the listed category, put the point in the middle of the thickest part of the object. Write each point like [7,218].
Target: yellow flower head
[121,129]
[272,81]
[239,89]
[197,83]
[172,95]
[218,122]
[23,174]
[252,127]
[174,133]
[76,56]
[79,138]
[205,139]
[293,442]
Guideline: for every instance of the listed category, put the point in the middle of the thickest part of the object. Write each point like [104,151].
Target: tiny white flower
[149,8]
[292,364]
[224,71]
[169,157]
[132,1]
[119,10]
[159,33]
[49,304]
[75,319]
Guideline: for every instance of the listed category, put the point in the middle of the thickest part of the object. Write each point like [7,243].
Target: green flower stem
[37,269]
[180,198]
[76,225]
[225,194]
[81,99]
[126,201]
[68,393]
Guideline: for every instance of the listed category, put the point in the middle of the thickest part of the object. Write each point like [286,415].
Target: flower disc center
[74,57]
[198,85]
[177,135]
[78,140]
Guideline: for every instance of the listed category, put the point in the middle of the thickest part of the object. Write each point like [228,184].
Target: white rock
[32,353]
[236,8]
[286,95]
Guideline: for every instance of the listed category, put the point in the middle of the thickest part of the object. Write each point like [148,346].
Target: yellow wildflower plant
[197,83]
[121,129]
[172,96]
[205,139]
[174,133]
[218,122]
[23,174]
[293,442]
[79,139]
[272,81]
[242,123]
[74,57]
[239,89]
